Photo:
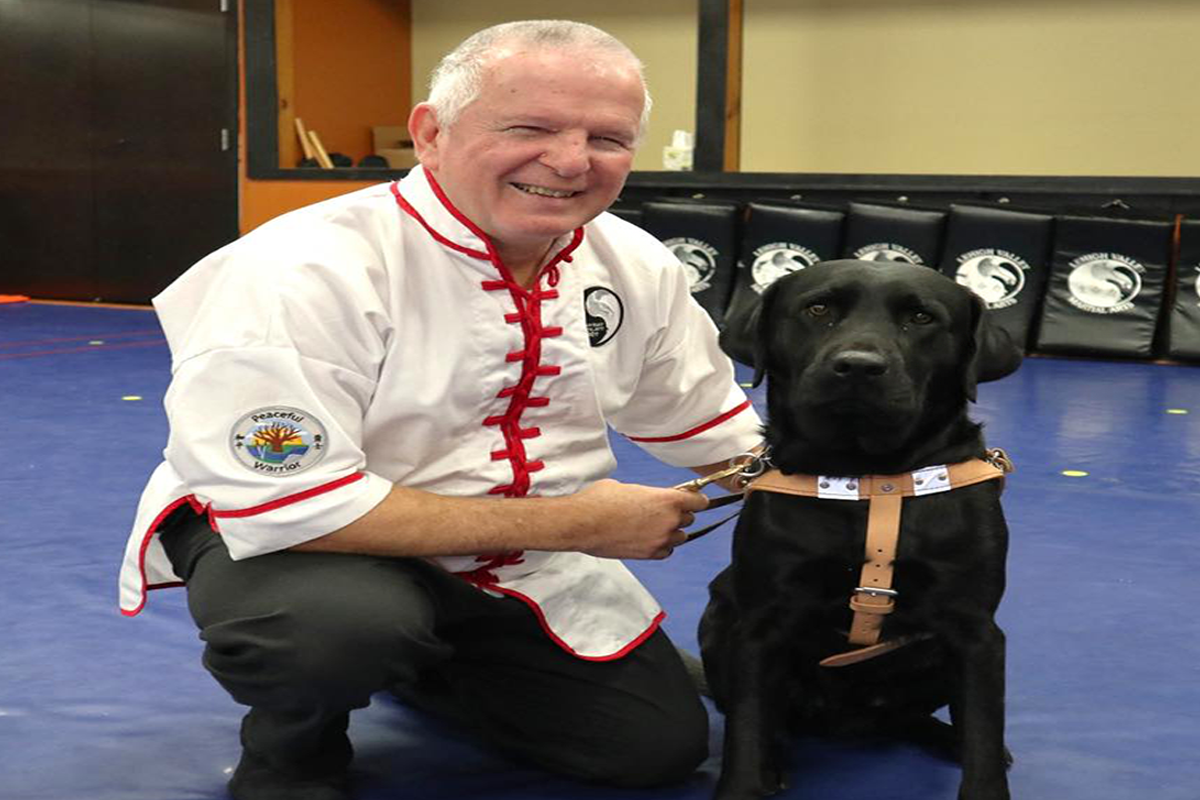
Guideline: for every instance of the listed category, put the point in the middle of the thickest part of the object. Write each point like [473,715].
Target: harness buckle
[877,592]
[888,607]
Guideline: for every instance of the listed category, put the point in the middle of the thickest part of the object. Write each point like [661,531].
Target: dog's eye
[922,318]
[818,309]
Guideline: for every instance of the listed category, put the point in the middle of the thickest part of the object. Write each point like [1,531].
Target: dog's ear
[762,322]
[739,329]
[745,335]
[992,353]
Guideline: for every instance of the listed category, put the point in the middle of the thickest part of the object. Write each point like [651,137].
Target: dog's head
[865,355]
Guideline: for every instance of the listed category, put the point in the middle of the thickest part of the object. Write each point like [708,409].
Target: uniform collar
[422,198]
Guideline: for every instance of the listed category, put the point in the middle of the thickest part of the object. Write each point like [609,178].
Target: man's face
[545,147]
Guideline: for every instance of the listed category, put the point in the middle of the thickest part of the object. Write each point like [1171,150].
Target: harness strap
[875,598]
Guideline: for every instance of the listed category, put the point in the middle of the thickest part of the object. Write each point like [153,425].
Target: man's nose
[567,154]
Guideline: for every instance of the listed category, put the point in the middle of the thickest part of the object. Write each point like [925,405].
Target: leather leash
[874,598]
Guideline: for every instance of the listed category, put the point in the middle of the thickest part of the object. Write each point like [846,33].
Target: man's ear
[992,354]
[424,129]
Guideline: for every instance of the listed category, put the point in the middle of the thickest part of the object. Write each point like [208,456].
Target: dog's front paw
[994,790]
[731,787]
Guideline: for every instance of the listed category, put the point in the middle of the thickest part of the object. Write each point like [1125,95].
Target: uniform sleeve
[687,409]
[270,387]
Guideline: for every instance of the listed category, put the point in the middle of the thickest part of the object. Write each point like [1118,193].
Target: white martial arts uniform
[375,339]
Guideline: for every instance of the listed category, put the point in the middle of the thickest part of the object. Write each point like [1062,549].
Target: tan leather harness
[875,598]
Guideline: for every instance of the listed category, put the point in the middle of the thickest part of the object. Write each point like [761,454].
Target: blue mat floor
[1104,651]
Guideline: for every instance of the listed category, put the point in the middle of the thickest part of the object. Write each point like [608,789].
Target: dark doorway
[117,155]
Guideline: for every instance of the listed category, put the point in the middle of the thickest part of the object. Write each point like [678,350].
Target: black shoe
[255,779]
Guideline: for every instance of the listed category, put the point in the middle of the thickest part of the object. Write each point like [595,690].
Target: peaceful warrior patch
[278,440]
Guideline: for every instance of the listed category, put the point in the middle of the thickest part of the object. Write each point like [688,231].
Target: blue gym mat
[1103,663]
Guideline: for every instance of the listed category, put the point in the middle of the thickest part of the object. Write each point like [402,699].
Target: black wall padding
[780,239]
[1184,337]
[1004,257]
[704,236]
[889,233]
[1106,286]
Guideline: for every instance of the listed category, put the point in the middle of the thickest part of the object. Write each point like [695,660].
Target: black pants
[304,638]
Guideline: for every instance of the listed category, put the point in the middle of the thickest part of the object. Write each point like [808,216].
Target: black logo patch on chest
[604,313]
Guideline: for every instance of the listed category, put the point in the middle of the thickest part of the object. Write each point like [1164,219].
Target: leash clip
[1000,460]
[746,466]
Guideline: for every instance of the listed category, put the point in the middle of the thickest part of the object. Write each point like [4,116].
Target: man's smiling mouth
[542,191]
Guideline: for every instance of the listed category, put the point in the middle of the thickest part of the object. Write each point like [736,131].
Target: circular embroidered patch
[278,440]
[604,312]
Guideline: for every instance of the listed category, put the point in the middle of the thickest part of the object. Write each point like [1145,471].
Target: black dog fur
[871,367]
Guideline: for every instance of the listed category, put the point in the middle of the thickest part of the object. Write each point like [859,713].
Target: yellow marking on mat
[1177,411]
[1074,473]
[132,397]
[96,341]
[746,385]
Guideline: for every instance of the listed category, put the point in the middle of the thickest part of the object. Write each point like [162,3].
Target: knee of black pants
[331,638]
[658,753]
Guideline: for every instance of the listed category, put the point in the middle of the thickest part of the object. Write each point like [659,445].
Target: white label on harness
[931,480]
[837,488]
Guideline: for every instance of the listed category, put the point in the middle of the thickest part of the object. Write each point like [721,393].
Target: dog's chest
[810,552]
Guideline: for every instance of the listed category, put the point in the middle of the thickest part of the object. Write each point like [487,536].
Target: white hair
[458,78]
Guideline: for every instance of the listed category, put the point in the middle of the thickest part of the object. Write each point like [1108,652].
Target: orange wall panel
[265,200]
[351,69]
[373,39]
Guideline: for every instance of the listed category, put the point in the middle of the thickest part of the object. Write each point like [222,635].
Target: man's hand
[633,521]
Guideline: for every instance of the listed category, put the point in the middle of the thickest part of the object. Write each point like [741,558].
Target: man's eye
[817,310]
[609,141]
[922,318]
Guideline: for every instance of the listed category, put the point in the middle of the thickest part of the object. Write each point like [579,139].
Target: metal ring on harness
[746,466]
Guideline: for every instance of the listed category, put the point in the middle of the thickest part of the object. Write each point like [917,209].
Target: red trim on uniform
[712,423]
[307,494]
[201,510]
[146,539]
[528,315]
[461,217]
[541,618]
[412,212]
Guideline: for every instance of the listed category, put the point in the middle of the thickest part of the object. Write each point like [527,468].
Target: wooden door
[119,169]
[45,152]
[165,177]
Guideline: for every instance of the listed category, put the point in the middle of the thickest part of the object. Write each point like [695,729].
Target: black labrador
[871,366]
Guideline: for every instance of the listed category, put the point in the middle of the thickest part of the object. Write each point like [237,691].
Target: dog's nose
[859,364]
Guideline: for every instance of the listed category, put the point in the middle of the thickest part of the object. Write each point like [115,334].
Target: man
[388,448]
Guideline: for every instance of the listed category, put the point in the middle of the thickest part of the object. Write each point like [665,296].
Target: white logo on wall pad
[997,276]
[1196,282]
[1104,283]
[603,312]
[888,251]
[773,261]
[278,440]
[699,259]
